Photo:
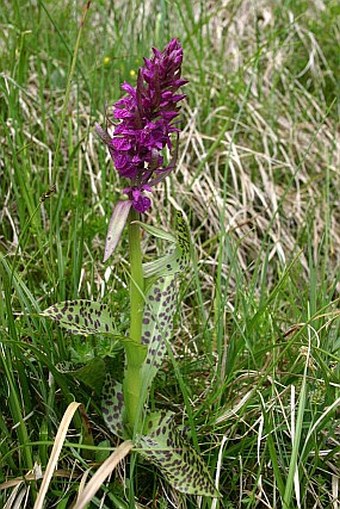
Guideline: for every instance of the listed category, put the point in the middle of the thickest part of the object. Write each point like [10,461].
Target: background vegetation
[254,375]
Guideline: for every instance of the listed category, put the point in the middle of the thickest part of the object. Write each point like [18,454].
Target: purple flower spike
[146,117]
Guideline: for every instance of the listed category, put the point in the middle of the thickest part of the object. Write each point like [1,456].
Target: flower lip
[140,202]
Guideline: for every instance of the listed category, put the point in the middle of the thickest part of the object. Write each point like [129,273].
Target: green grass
[254,370]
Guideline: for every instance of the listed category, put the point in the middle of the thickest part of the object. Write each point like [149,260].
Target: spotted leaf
[179,253]
[157,324]
[161,300]
[113,406]
[164,265]
[183,240]
[82,317]
[65,367]
[180,464]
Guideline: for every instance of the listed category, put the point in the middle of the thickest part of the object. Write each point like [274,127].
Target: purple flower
[145,122]
[146,117]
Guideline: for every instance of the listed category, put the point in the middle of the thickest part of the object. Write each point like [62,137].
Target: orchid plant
[145,123]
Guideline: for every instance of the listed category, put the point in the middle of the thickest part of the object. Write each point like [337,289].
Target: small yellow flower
[132,73]
[106,60]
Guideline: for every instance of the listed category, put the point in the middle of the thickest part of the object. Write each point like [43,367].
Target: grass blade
[58,444]
[102,473]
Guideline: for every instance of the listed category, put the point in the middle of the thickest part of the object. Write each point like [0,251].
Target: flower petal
[116,226]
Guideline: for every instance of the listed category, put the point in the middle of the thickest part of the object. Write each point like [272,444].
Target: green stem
[137,279]
[134,353]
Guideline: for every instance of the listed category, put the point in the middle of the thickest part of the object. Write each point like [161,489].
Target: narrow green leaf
[91,374]
[113,406]
[180,464]
[82,317]
[157,232]
[101,454]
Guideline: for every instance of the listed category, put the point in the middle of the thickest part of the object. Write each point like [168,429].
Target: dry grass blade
[102,473]
[58,443]
[34,477]
[16,499]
